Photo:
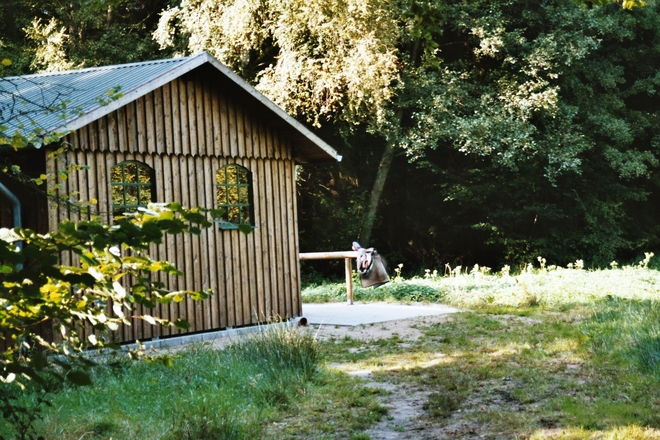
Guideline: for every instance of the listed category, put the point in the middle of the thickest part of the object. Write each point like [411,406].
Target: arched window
[131,183]
[234,196]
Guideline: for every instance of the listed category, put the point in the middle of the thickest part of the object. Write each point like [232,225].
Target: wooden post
[349,281]
[347,256]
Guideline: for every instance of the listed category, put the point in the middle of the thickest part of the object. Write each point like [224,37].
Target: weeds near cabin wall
[205,393]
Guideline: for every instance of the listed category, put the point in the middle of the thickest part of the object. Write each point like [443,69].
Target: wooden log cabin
[187,130]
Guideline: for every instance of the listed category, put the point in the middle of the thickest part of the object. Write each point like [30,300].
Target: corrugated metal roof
[29,98]
[27,102]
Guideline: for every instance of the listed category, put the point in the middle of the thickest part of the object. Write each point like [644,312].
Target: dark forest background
[524,128]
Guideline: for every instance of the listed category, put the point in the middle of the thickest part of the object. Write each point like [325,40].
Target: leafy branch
[84,303]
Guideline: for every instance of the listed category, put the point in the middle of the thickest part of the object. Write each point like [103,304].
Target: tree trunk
[384,166]
[379,185]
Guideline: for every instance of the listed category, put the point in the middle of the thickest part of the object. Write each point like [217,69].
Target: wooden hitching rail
[346,255]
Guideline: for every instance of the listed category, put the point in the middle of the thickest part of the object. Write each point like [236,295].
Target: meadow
[539,352]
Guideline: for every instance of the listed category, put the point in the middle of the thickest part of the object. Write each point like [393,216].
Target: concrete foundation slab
[357,314]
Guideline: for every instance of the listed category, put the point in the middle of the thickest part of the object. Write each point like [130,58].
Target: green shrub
[414,290]
[326,292]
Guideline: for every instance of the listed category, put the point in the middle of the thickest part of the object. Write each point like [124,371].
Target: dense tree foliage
[49,35]
[571,172]
[527,128]
[512,128]
[538,131]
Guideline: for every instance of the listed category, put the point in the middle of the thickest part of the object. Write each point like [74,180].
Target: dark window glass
[131,185]
[234,196]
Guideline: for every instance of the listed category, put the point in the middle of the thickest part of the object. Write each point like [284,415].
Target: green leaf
[201,295]
[38,360]
[245,229]
[166,215]
[6,269]
[165,360]
[182,324]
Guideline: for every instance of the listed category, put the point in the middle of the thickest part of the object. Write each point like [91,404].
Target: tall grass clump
[283,361]
[628,330]
[204,394]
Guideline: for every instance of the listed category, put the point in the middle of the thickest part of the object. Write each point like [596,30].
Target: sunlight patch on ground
[503,352]
[632,432]
[563,345]
[393,363]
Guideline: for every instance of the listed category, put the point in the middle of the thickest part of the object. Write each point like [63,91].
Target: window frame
[241,204]
[118,209]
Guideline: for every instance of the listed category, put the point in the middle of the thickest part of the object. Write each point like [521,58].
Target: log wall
[186,131]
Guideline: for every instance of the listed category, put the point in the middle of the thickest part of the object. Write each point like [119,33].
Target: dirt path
[407,419]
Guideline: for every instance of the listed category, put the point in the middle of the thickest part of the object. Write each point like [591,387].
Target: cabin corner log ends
[347,256]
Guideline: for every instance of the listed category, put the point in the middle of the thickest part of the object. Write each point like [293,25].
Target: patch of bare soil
[405,413]
[407,417]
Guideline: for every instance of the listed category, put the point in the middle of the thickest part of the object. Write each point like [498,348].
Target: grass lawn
[498,373]
[548,353]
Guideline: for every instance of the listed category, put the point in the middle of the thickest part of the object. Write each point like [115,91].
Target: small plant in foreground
[397,270]
[441,405]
